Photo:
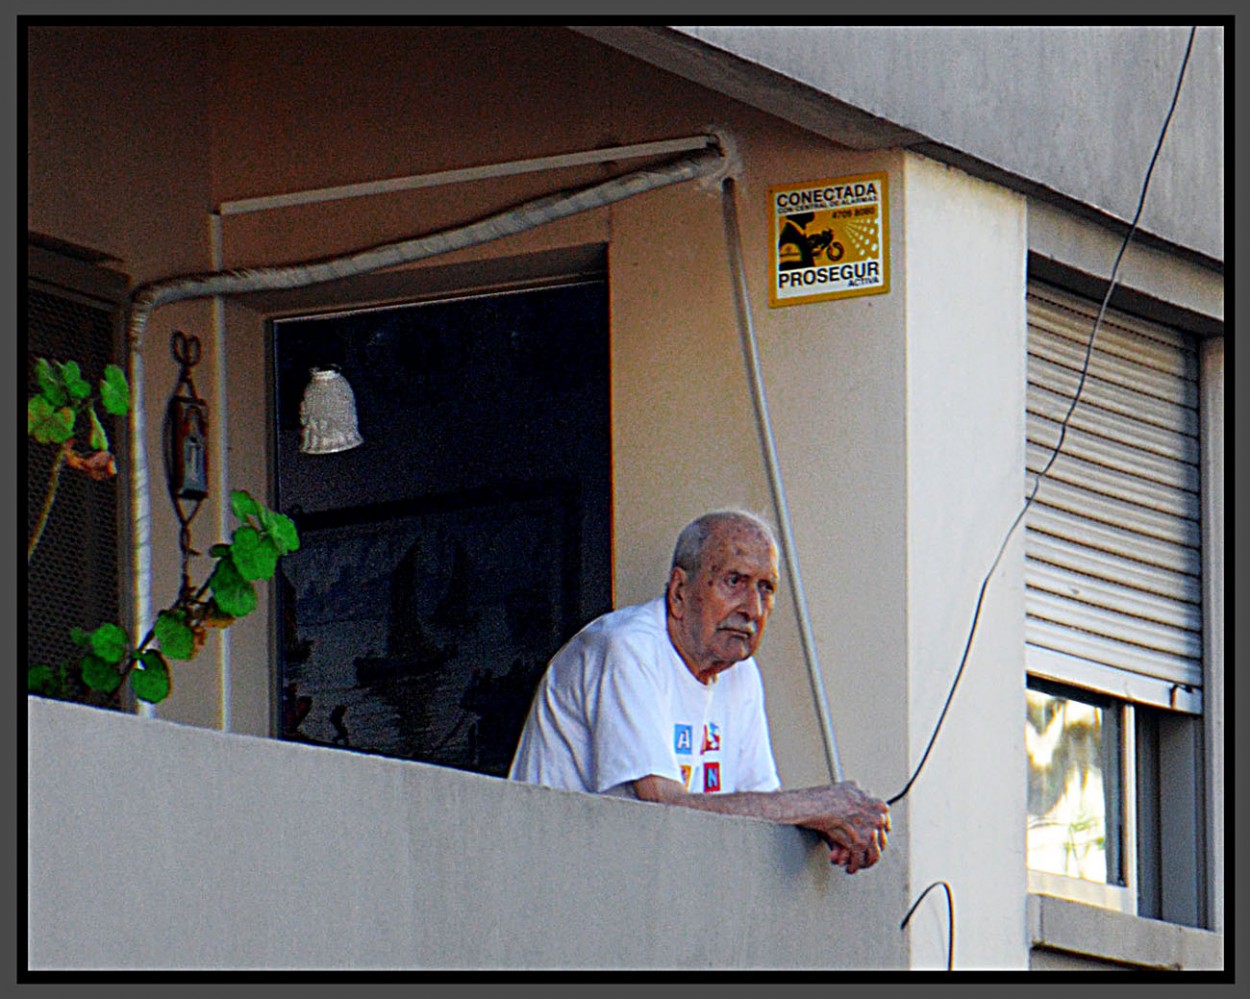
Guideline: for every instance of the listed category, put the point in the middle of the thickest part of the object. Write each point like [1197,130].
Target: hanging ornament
[186,427]
[186,447]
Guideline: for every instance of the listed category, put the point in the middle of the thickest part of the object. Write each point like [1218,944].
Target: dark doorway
[445,559]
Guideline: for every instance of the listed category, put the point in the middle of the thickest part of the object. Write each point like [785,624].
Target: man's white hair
[693,539]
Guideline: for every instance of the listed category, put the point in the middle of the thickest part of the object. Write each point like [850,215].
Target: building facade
[557,401]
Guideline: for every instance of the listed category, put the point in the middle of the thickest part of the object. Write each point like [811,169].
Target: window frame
[1160,817]
[557,491]
[1106,895]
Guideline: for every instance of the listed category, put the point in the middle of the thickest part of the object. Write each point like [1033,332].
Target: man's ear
[677,593]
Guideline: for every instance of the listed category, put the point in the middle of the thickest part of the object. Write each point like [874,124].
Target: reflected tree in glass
[1073,748]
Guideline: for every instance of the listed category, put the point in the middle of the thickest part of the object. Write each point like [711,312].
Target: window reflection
[1073,747]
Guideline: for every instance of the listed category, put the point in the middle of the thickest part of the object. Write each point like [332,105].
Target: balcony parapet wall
[154,845]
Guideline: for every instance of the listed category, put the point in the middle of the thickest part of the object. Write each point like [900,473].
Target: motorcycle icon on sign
[798,249]
[823,242]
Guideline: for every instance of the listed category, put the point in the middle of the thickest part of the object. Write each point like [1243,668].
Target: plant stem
[151,635]
[53,480]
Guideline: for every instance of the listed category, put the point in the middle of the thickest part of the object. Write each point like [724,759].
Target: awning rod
[707,163]
[487,171]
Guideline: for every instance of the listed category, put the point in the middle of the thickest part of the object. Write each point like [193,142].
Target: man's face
[717,615]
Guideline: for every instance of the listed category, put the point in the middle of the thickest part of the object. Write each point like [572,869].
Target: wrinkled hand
[852,823]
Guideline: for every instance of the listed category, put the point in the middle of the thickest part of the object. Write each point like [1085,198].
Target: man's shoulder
[636,634]
[644,620]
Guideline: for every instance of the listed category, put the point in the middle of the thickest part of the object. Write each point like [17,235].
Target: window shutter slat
[1130,459]
[1145,612]
[1119,337]
[1113,483]
[1156,579]
[1155,437]
[1154,663]
[1100,395]
[1099,508]
[1113,563]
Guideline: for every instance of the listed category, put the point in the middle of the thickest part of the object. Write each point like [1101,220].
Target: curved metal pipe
[148,297]
[790,553]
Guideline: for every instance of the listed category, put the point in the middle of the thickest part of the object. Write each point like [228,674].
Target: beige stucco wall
[273,110]
[901,469]
[157,846]
[898,420]
[965,252]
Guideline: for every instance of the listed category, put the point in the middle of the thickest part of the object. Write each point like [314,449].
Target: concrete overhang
[753,84]
[792,83]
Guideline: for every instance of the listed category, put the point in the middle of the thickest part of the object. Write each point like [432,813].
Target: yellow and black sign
[829,239]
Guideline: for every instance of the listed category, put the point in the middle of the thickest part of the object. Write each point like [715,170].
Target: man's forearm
[789,807]
[854,824]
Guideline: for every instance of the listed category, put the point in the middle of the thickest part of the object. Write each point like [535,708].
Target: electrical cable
[950,916]
[1063,428]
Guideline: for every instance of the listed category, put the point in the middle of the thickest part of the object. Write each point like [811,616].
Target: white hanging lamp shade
[327,415]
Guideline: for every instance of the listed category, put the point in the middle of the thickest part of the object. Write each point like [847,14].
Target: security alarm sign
[828,239]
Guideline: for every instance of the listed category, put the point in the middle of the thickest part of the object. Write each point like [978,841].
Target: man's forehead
[741,543]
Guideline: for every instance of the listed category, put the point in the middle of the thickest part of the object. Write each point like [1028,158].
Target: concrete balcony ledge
[1061,926]
[158,846]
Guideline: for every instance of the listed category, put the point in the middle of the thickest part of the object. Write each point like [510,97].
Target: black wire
[1063,428]
[950,916]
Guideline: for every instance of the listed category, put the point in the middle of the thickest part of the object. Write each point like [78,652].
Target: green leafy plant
[65,403]
[109,658]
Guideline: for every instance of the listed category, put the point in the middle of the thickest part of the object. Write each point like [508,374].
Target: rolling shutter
[1113,546]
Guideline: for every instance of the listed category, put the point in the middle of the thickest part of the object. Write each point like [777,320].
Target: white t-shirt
[617,703]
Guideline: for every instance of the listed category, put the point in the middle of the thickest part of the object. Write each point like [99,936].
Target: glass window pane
[445,560]
[1075,793]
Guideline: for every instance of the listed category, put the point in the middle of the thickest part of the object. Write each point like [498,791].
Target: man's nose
[753,605]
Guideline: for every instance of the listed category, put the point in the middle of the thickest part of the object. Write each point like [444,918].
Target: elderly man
[663,701]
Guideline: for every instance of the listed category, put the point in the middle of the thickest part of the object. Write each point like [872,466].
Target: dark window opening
[445,559]
[73,578]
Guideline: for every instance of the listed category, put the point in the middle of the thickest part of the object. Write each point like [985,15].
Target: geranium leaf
[114,391]
[253,554]
[99,439]
[242,504]
[281,529]
[42,680]
[175,636]
[99,675]
[110,643]
[233,594]
[150,679]
[37,411]
[50,383]
[46,424]
[72,378]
